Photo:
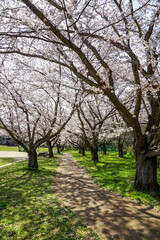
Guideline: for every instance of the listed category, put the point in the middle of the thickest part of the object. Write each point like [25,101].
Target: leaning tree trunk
[50,149]
[146,172]
[120,148]
[32,159]
[94,152]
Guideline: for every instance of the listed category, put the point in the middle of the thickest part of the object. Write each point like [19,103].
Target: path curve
[109,215]
[18,156]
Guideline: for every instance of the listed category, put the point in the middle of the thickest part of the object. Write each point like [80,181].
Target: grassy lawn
[6,148]
[29,209]
[4,161]
[117,175]
[10,148]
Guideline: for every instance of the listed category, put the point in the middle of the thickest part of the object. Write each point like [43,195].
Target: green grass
[29,209]
[117,175]
[4,161]
[6,148]
[10,148]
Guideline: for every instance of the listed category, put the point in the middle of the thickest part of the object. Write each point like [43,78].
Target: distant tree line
[7,141]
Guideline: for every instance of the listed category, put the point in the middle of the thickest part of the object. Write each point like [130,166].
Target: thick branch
[152,154]
[67,42]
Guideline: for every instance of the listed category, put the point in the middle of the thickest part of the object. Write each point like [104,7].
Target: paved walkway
[109,215]
[18,156]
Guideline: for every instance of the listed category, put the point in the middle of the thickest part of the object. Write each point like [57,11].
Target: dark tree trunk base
[120,153]
[32,159]
[58,149]
[50,150]
[83,151]
[94,152]
[51,155]
[120,148]
[146,174]
[104,149]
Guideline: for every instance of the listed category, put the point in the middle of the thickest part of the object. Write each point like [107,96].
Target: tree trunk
[62,148]
[120,148]
[146,173]
[80,150]
[83,151]
[50,149]
[94,152]
[104,148]
[158,162]
[58,148]
[32,159]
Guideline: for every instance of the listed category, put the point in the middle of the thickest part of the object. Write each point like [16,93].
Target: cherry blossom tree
[93,116]
[32,115]
[74,137]
[119,131]
[111,46]
[50,144]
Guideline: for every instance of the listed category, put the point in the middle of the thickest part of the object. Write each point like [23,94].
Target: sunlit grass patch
[117,175]
[4,161]
[29,209]
[11,148]
[8,148]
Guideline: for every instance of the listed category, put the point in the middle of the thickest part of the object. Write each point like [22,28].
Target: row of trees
[108,48]
[34,115]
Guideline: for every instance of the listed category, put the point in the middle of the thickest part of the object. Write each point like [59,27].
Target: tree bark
[58,148]
[120,148]
[83,151]
[146,172]
[80,150]
[50,149]
[94,152]
[104,148]
[62,148]
[32,159]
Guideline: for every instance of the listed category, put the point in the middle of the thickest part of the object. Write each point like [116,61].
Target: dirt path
[109,215]
[17,156]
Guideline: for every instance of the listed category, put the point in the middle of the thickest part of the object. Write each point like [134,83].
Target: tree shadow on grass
[116,174]
[29,210]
